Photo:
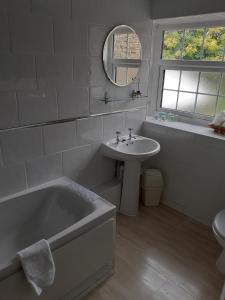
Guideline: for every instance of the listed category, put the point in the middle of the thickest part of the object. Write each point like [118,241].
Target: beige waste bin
[152,186]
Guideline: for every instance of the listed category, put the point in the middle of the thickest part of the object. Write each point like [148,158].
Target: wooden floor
[162,255]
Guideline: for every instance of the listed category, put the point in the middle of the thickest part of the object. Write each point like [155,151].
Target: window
[201,43]
[189,71]
[194,92]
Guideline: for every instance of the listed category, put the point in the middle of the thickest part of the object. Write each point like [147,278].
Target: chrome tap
[118,137]
[131,136]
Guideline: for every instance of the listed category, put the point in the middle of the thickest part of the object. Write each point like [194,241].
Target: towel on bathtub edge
[38,265]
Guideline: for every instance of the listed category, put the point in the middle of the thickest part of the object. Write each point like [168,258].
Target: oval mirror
[122,55]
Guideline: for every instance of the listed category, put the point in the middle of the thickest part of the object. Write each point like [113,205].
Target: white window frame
[158,65]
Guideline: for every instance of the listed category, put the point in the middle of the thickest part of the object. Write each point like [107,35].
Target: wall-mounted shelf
[108,100]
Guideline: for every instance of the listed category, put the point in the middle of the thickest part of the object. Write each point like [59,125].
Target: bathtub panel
[76,262]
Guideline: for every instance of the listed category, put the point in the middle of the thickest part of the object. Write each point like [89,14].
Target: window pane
[120,45]
[189,81]
[134,49]
[186,102]
[169,99]
[206,105]
[193,41]
[121,75]
[222,87]
[209,83]
[172,44]
[220,104]
[214,44]
[131,74]
[171,79]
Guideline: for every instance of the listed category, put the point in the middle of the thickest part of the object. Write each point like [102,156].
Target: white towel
[38,265]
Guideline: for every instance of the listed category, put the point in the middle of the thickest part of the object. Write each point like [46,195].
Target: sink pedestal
[131,186]
[132,152]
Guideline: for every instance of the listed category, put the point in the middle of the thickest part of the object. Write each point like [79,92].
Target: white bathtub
[80,227]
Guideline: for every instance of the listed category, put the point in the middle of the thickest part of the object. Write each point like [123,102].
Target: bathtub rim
[103,211]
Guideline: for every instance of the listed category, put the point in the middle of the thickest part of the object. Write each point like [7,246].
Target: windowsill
[196,129]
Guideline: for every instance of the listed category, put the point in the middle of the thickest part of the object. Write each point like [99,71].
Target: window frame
[158,65]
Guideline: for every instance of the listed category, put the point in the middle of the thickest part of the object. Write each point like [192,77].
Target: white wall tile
[1,158]
[146,44]
[122,93]
[4,33]
[65,39]
[37,106]
[189,172]
[67,69]
[31,34]
[97,36]
[54,71]
[89,130]
[97,106]
[43,169]
[82,70]
[52,7]
[75,160]
[70,37]
[8,110]
[108,12]
[73,102]
[12,179]
[113,123]
[144,71]
[97,74]
[144,88]
[21,144]
[16,5]
[80,31]
[86,8]
[102,174]
[59,137]
[17,72]
[134,119]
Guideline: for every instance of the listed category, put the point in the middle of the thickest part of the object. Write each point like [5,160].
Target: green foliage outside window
[194,44]
[172,44]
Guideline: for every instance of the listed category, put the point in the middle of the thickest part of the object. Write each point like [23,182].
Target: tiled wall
[31,156]
[51,69]
[193,170]
[51,57]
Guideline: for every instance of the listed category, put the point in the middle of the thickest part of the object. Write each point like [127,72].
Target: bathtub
[80,228]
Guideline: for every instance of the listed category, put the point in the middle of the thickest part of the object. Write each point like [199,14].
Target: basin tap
[118,137]
[131,136]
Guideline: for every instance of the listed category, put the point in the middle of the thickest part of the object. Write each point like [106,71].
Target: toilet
[218,227]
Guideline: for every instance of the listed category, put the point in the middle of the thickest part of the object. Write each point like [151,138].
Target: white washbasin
[139,148]
[132,152]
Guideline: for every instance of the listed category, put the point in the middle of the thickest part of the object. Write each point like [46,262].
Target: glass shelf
[108,100]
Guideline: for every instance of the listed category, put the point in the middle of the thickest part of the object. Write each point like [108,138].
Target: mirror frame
[104,46]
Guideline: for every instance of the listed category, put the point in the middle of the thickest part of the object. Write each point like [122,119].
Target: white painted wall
[179,8]
[193,169]
[51,69]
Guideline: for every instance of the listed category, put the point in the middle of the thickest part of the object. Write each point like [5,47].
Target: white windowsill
[196,129]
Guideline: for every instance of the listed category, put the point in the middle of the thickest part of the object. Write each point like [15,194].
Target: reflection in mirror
[122,55]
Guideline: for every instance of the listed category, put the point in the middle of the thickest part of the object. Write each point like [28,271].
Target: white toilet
[219,232]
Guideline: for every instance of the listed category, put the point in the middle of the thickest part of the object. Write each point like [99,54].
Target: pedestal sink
[132,152]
